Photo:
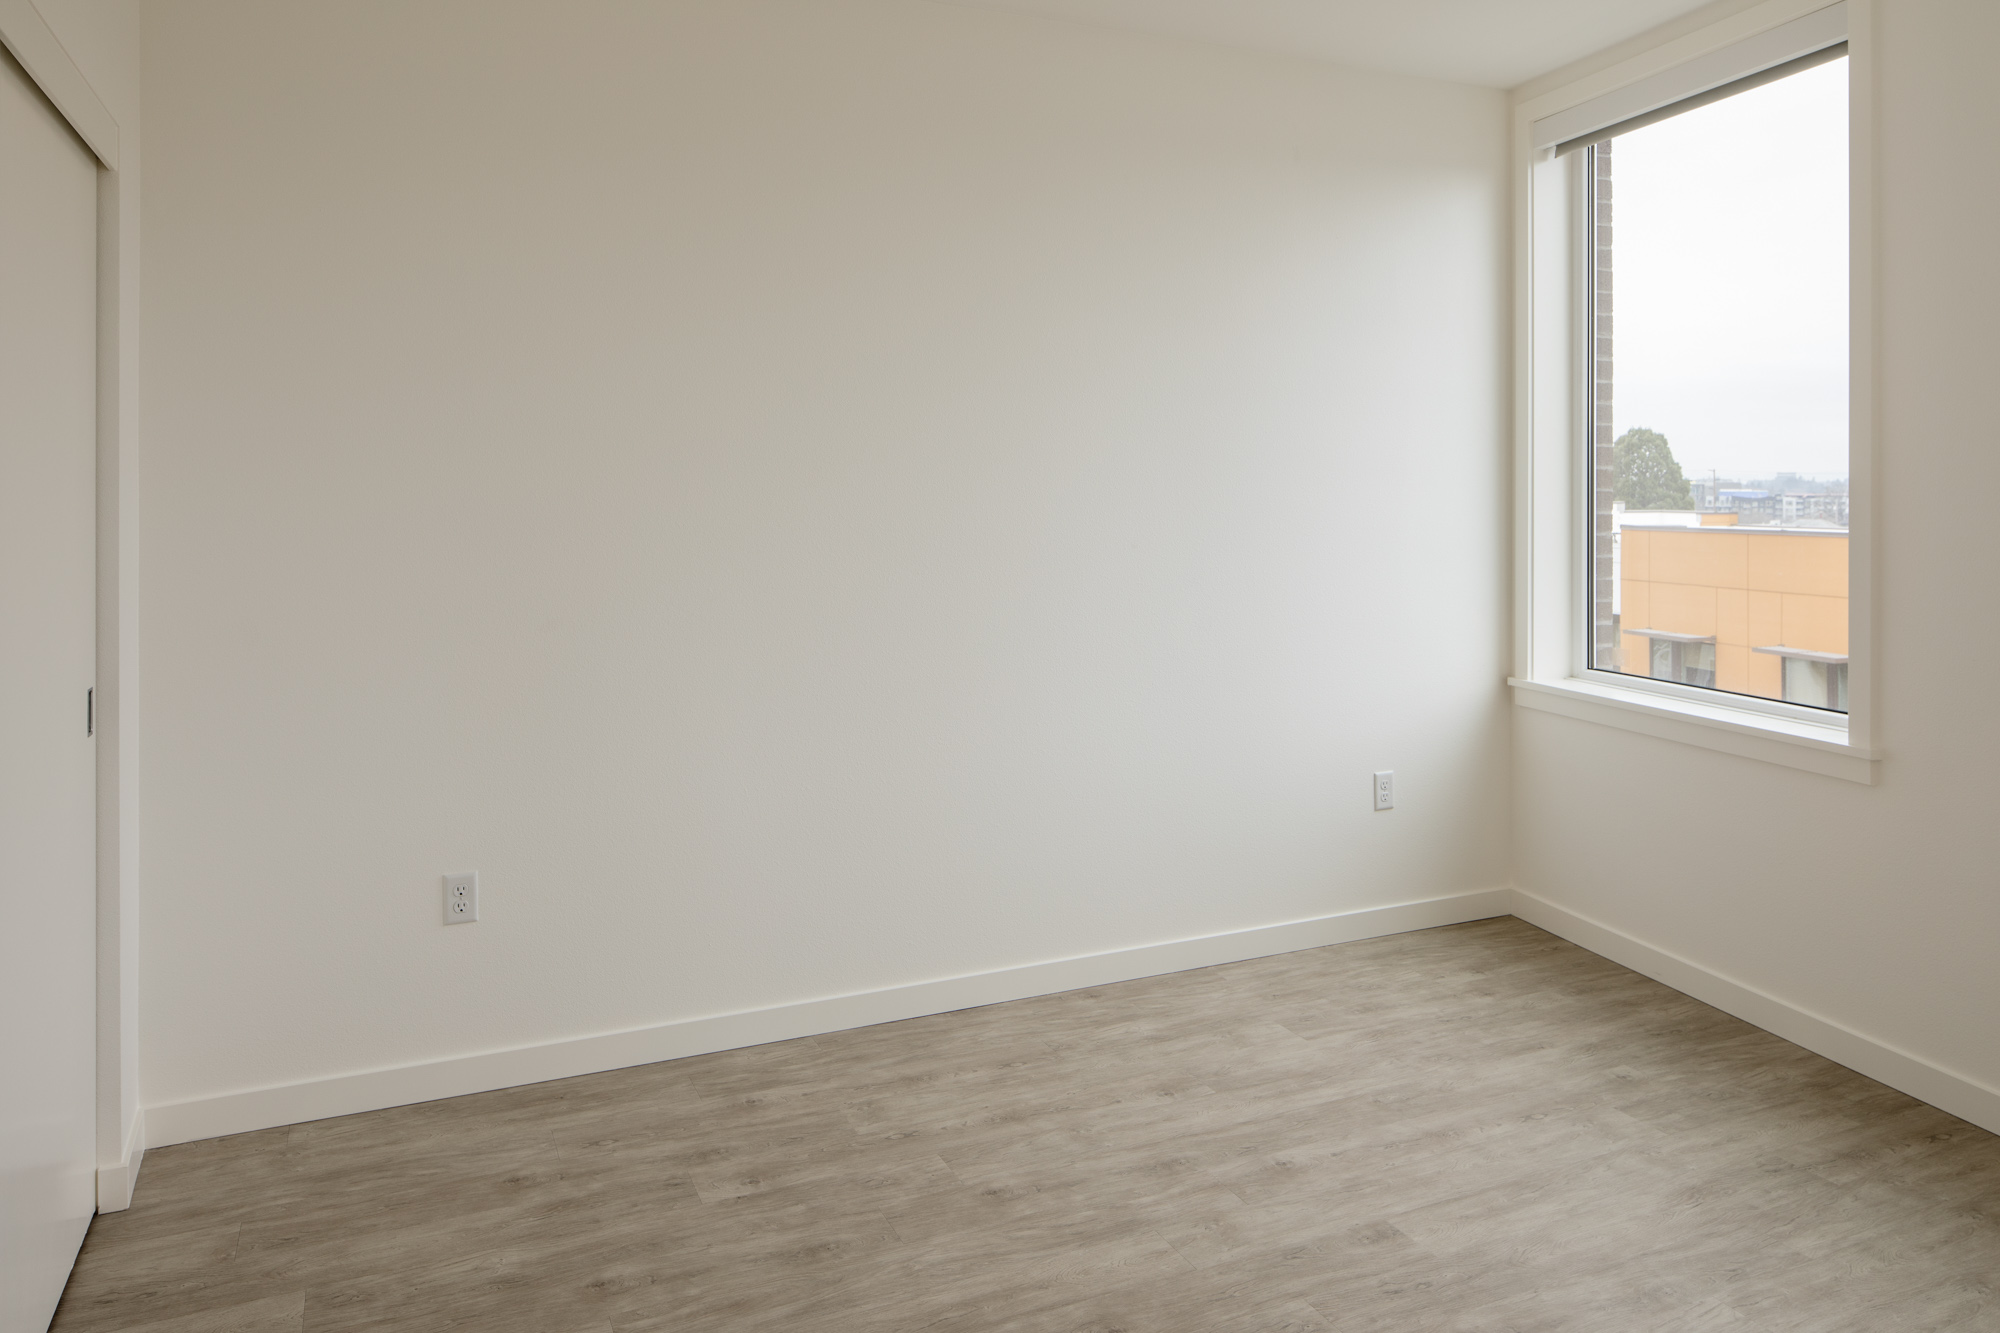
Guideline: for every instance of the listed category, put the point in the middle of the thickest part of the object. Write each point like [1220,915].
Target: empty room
[1050,666]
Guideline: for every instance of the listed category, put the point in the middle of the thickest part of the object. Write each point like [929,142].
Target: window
[1817,680]
[1717,353]
[1686,658]
[1689,493]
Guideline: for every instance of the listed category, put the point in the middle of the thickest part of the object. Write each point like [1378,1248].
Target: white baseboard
[372,1090]
[1964,1097]
[115,1183]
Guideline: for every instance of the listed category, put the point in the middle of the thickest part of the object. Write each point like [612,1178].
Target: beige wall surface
[802,497]
[1870,906]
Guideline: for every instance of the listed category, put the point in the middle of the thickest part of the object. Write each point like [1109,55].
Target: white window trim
[1549,399]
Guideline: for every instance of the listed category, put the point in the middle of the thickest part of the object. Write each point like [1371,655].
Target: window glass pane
[1719,375]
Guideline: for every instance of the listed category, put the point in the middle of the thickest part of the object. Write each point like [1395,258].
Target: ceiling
[1498,43]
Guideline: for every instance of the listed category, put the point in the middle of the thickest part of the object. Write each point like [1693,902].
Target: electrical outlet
[1385,790]
[461,898]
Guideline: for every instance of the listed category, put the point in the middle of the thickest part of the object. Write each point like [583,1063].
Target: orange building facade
[1752,610]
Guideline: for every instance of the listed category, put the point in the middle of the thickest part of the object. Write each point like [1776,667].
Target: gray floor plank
[1474,1128]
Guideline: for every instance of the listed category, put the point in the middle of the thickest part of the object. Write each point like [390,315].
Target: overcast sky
[1730,291]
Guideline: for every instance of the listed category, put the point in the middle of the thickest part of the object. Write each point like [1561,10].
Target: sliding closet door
[48,894]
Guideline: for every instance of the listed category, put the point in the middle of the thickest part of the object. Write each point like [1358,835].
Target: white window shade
[1710,73]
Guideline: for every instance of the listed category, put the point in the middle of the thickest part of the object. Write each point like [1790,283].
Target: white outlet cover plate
[461,898]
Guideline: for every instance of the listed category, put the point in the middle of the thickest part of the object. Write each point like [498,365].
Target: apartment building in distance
[1753,609]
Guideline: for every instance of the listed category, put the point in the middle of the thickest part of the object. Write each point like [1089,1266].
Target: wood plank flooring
[1477,1128]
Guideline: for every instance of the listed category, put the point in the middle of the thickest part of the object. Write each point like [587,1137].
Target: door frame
[120,1127]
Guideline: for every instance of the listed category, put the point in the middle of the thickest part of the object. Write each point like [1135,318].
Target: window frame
[1553,399]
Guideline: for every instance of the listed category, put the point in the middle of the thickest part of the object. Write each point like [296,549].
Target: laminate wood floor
[1476,1128]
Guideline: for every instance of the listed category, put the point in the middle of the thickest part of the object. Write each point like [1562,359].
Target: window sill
[1795,744]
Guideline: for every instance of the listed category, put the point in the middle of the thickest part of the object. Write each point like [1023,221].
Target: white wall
[103,38]
[803,497]
[1873,907]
